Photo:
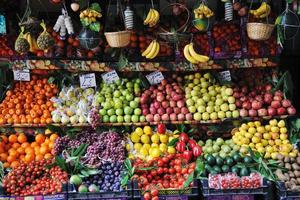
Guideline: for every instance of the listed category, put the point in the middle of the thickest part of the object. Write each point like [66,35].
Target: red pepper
[197,151]
[180,147]
[161,128]
[187,155]
[183,137]
[192,143]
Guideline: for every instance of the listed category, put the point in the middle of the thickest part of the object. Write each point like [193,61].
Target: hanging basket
[259,31]
[118,39]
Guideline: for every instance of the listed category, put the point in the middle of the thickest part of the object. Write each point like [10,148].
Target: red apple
[275,104]
[281,111]
[286,103]
[291,110]
[272,111]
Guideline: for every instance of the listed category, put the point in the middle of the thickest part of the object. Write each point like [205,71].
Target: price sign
[155,77]
[22,75]
[87,80]
[110,77]
[225,75]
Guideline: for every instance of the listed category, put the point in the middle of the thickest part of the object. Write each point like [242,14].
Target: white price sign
[155,77]
[110,77]
[225,75]
[87,80]
[22,75]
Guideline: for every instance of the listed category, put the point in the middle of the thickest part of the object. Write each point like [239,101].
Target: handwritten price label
[225,75]
[155,77]
[110,77]
[87,80]
[22,75]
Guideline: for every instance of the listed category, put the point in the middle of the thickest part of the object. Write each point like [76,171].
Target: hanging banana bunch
[152,18]
[203,11]
[263,11]
[152,50]
[192,56]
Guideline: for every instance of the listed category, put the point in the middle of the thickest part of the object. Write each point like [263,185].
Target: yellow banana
[148,49]
[187,55]
[268,11]
[153,50]
[196,56]
[156,51]
[149,16]
[261,11]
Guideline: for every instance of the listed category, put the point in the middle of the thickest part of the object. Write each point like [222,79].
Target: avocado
[237,157]
[219,161]
[248,159]
[229,161]
[244,172]
[235,170]
[217,169]
[225,168]
[211,160]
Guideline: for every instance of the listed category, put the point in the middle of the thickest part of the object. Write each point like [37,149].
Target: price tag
[110,77]
[225,75]
[21,75]
[87,80]
[155,77]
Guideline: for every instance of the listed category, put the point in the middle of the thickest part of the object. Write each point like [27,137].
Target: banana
[196,56]
[153,50]
[261,12]
[148,49]
[152,17]
[149,16]
[266,13]
[187,55]
[156,51]
[203,11]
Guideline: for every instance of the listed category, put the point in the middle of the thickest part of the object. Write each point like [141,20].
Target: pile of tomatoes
[15,149]
[5,50]
[28,102]
[168,172]
[34,179]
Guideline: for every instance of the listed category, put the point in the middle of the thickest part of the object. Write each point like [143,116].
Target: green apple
[221,114]
[231,100]
[197,116]
[137,111]
[232,107]
[219,102]
[235,114]
[135,118]
[210,109]
[228,114]
[127,118]
[142,118]
[120,119]
[117,93]
[113,119]
[119,112]
[111,112]
[133,104]
[102,112]
[213,116]
[192,109]
[105,118]
[224,107]
[229,91]
[107,105]
[201,109]
[128,110]
[190,102]
[205,116]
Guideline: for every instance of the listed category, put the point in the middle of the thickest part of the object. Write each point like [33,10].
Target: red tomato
[147,196]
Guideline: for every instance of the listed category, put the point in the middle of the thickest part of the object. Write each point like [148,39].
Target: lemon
[245,127]
[251,124]
[135,137]
[155,138]
[248,135]
[259,135]
[269,149]
[153,145]
[252,130]
[252,145]
[271,142]
[163,138]
[147,130]
[257,145]
[261,150]
[267,155]
[242,132]
[257,123]
[286,141]
[255,139]
[139,131]
[150,151]
[147,146]
[275,148]
[267,136]
[163,147]
[292,154]
[144,151]
[283,130]
[245,141]
[274,155]
[268,127]
[145,139]
[260,129]
[155,153]
[273,122]
[274,129]
[281,124]
[264,142]
[171,150]
[278,142]
[128,147]
[283,136]
[137,146]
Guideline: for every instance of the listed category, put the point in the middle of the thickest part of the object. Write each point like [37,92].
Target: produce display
[28,102]
[207,100]
[219,147]
[269,140]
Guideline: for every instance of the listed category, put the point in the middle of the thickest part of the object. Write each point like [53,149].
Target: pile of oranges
[15,149]
[28,103]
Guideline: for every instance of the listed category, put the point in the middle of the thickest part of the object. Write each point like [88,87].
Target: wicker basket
[259,31]
[118,39]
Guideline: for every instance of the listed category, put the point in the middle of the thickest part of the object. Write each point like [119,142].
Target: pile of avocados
[218,165]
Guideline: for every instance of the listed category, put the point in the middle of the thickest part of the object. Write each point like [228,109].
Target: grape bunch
[109,178]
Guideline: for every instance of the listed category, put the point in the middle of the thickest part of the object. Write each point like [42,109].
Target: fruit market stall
[148,100]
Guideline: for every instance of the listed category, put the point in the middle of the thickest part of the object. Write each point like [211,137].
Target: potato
[286,159]
[280,156]
[297,174]
[280,176]
[298,180]
[291,174]
[292,160]
[294,181]
[298,160]
[295,166]
[288,166]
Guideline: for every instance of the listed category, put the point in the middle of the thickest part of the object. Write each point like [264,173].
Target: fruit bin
[266,190]
[182,194]
[284,194]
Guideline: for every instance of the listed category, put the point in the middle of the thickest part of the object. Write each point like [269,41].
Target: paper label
[225,75]
[87,80]
[155,77]
[21,75]
[110,77]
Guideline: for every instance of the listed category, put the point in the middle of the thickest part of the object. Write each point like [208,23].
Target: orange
[13,138]
[10,159]
[29,150]
[13,153]
[40,138]
[15,164]
[2,149]
[51,145]
[34,144]
[21,150]
[44,150]
[25,145]
[37,149]
[22,138]
[16,145]
[4,138]
[6,165]
[3,157]
[28,158]
[39,157]
[48,156]
[36,120]
[46,142]
[53,137]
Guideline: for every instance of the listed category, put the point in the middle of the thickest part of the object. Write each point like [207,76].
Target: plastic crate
[122,195]
[284,194]
[266,190]
[169,194]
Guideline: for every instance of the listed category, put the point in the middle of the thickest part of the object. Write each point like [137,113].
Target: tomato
[166,170]
[192,165]
[147,196]
[160,163]
[183,137]
[160,170]
[190,170]
[153,172]
[165,160]
[188,155]
[172,171]
[177,162]
[177,168]
[155,198]
[166,184]
[154,192]
[184,170]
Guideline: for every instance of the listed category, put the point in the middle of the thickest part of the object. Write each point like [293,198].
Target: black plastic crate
[181,194]
[266,190]
[284,194]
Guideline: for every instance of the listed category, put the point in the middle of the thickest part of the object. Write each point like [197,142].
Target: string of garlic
[64,24]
